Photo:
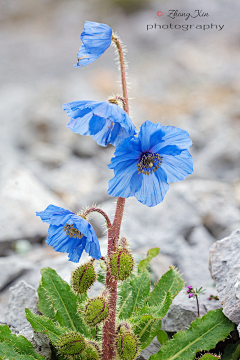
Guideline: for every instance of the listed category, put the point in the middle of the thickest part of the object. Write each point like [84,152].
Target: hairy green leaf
[7,352]
[203,334]
[132,294]
[62,301]
[146,329]
[143,264]
[45,325]
[162,337]
[209,357]
[157,311]
[232,352]
[19,343]
[171,282]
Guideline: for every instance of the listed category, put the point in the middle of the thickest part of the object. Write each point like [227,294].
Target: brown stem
[109,330]
[123,72]
[100,211]
[197,307]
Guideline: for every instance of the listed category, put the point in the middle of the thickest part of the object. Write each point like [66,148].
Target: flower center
[149,163]
[71,231]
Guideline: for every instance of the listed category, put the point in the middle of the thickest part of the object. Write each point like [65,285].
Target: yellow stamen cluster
[149,163]
[71,231]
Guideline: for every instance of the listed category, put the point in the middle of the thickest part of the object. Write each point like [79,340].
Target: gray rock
[238,329]
[153,348]
[184,310]
[21,196]
[40,342]
[22,296]
[11,268]
[224,265]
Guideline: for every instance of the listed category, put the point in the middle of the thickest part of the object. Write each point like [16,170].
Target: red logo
[159,13]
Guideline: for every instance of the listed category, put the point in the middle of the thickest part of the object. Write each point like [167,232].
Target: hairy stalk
[109,330]
[100,211]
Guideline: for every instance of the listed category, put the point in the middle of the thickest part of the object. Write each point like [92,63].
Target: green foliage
[232,352]
[132,294]
[146,328]
[162,337]
[46,325]
[203,334]
[96,311]
[171,282]
[209,357]
[121,264]
[143,264]
[16,347]
[62,301]
[127,346]
[71,344]
[83,278]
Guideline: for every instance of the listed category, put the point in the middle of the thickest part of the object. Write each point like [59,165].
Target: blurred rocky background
[189,79]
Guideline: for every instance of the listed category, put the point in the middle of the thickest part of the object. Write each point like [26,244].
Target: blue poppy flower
[70,233]
[96,38]
[144,166]
[105,121]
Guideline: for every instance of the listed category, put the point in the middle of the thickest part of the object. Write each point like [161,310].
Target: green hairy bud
[92,352]
[83,278]
[127,346]
[96,311]
[121,264]
[71,344]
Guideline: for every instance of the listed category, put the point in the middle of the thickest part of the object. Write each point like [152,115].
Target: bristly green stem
[109,328]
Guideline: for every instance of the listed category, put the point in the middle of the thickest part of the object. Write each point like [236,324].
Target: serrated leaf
[146,329]
[45,325]
[63,300]
[232,352]
[171,282]
[45,304]
[143,264]
[157,311]
[7,352]
[133,294]
[19,343]
[162,337]
[209,357]
[203,334]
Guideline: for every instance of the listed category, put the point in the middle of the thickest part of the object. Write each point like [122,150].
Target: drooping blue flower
[144,166]
[105,121]
[70,233]
[96,38]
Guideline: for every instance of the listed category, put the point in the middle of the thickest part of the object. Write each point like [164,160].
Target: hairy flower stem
[109,329]
[118,45]
[100,211]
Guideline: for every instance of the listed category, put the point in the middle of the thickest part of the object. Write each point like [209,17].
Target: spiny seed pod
[96,311]
[83,278]
[127,346]
[121,264]
[71,344]
[92,351]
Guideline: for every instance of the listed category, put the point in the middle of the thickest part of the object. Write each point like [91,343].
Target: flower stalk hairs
[144,165]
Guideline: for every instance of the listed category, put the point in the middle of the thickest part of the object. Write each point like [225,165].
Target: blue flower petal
[96,38]
[62,241]
[170,135]
[106,122]
[177,167]
[135,171]
[153,189]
